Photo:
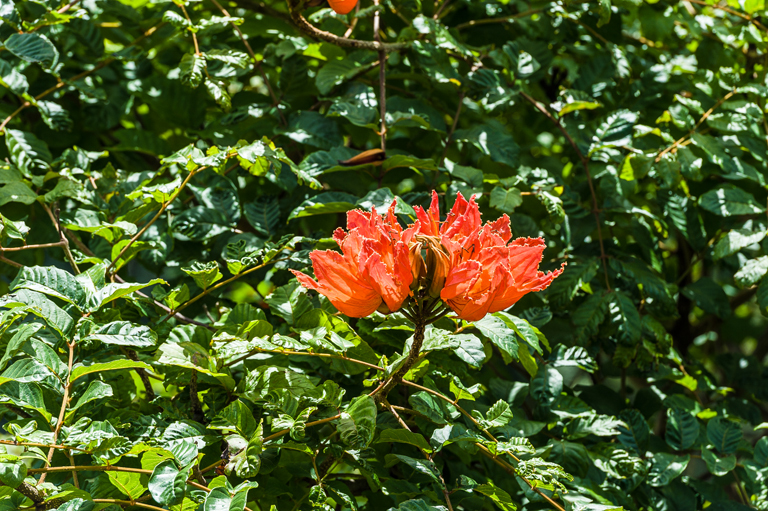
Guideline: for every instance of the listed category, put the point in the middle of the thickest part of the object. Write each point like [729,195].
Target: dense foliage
[166,164]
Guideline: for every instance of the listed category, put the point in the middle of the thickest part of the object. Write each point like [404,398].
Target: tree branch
[344,42]
[585,163]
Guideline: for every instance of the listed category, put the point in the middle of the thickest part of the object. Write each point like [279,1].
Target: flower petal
[341,284]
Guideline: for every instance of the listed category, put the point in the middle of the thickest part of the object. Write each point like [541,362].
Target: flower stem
[418,338]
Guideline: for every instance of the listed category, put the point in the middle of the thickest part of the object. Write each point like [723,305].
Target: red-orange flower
[373,272]
[487,273]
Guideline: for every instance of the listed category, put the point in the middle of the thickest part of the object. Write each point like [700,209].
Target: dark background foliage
[180,157]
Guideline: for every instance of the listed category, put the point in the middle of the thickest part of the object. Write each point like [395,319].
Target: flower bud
[437,263]
[418,266]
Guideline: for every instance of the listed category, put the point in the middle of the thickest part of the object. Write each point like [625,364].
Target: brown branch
[344,42]
[64,405]
[303,353]
[585,164]
[504,19]
[382,79]
[12,263]
[38,497]
[32,247]
[68,6]
[128,503]
[194,36]
[63,243]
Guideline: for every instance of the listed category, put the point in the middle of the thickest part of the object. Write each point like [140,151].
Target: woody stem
[418,338]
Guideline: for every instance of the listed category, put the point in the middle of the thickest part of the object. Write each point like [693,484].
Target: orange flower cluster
[473,268]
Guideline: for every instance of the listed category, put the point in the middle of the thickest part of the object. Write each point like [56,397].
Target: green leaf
[39,305]
[357,424]
[470,349]
[497,331]
[27,152]
[218,91]
[736,240]
[724,434]
[116,365]
[218,500]
[54,282]
[498,496]
[289,302]
[506,200]
[127,483]
[12,470]
[682,429]
[191,69]
[424,467]
[264,215]
[492,139]
[324,203]
[718,466]
[615,130]
[17,192]
[728,200]
[96,390]
[708,295]
[168,484]
[403,436]
[204,274]
[234,58]
[752,272]
[546,385]
[32,48]
[125,333]
[665,468]
[635,432]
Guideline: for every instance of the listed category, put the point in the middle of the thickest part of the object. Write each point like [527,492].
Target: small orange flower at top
[373,272]
[487,273]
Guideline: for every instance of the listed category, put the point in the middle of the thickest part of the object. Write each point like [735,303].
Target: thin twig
[382,79]
[154,219]
[64,405]
[440,10]
[63,242]
[731,11]
[585,164]
[504,19]
[221,284]
[302,353]
[703,118]
[68,6]
[256,61]
[194,37]
[450,133]
[498,460]
[12,263]
[352,25]
[32,247]
[127,503]
[283,432]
